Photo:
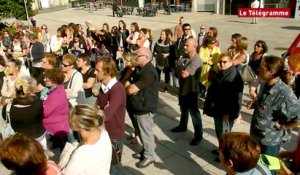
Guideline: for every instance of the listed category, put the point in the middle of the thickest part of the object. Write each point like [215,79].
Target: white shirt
[146,43]
[75,87]
[91,159]
[255,4]
[110,84]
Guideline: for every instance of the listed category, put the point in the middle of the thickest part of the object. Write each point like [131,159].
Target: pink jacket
[56,112]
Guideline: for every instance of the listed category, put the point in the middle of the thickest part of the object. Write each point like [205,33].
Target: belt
[142,112]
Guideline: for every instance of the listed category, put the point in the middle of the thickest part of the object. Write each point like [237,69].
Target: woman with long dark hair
[255,59]
[133,36]
[123,33]
[161,52]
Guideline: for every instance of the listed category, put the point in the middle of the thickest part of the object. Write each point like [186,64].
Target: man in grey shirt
[188,92]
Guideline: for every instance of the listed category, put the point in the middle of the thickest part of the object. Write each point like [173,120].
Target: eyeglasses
[223,62]
[202,28]
[187,29]
[65,65]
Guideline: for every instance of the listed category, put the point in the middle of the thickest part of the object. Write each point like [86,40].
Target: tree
[16,9]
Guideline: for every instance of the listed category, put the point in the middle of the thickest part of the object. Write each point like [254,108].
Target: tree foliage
[15,8]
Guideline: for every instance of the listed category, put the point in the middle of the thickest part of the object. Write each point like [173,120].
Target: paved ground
[174,154]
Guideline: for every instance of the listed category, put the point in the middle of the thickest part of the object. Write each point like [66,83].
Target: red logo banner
[264,12]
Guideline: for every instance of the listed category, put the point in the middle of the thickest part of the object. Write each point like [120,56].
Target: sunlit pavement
[174,154]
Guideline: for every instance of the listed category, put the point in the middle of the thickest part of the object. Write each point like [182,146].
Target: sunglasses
[256,45]
[187,29]
[65,65]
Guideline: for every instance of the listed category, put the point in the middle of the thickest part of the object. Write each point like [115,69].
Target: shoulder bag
[247,73]
[6,129]
[81,99]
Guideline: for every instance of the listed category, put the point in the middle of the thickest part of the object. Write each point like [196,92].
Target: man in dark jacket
[143,97]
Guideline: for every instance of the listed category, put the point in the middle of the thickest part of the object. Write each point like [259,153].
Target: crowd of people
[77,87]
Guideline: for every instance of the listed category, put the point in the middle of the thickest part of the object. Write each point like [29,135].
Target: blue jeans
[116,167]
[219,126]
[270,150]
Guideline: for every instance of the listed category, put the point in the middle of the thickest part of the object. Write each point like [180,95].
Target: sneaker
[144,163]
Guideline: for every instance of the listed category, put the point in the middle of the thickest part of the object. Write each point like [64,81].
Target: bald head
[144,55]
[192,42]
[190,46]
[145,51]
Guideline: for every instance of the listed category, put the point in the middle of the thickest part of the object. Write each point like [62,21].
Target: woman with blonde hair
[240,55]
[8,89]
[95,143]
[240,58]
[73,82]
[126,77]
[44,37]
[25,100]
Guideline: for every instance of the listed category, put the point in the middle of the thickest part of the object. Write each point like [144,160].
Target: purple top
[115,112]
[56,112]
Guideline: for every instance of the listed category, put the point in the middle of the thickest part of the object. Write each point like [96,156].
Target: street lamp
[25,2]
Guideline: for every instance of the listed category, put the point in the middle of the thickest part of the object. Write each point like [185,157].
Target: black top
[2,75]
[89,73]
[40,79]
[123,34]
[26,117]
[37,51]
[159,50]
[179,48]
[255,64]
[146,99]
[225,93]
